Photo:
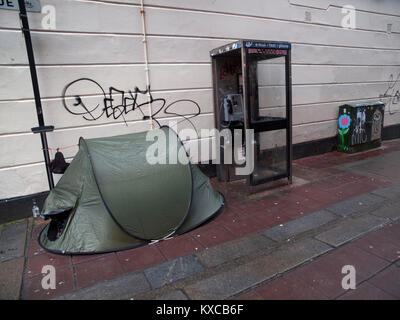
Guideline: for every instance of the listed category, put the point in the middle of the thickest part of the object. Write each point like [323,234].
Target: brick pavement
[287,243]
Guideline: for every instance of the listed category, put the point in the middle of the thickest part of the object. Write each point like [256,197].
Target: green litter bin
[360,126]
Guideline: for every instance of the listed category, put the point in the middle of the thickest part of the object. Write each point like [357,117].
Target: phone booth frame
[245,56]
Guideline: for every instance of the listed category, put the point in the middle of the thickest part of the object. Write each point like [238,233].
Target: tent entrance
[58,224]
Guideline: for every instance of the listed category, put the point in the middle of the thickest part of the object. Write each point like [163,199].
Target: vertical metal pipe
[42,129]
[289,146]
[146,61]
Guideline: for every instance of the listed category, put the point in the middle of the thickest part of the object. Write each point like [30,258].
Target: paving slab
[173,270]
[12,240]
[350,228]
[299,225]
[390,192]
[33,289]
[172,295]
[231,282]
[225,284]
[250,295]
[392,232]
[390,210]
[356,205]
[379,244]
[289,287]
[11,278]
[366,291]
[231,250]
[388,280]
[104,268]
[391,158]
[124,287]
[382,166]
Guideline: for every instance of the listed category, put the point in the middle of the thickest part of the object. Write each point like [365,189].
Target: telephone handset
[233,108]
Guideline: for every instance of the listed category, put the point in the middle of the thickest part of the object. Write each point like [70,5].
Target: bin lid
[364,104]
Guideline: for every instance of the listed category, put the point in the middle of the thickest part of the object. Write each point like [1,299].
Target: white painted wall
[102,40]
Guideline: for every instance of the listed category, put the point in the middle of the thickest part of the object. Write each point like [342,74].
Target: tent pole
[42,129]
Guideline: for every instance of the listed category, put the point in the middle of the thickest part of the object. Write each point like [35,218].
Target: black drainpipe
[42,129]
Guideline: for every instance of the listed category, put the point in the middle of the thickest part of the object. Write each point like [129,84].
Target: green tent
[111,198]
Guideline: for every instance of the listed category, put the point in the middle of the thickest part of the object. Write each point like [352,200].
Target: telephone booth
[253,111]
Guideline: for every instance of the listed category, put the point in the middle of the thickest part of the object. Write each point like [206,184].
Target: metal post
[42,129]
[289,145]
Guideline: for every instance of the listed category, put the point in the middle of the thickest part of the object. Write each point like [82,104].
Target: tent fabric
[115,199]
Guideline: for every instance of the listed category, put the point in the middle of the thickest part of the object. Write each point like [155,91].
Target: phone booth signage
[252,96]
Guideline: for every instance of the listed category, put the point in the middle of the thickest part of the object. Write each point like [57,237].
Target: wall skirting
[20,207]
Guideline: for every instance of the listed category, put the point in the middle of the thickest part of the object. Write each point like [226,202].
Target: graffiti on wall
[392,92]
[118,103]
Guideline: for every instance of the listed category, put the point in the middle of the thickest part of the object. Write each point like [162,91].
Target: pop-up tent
[112,197]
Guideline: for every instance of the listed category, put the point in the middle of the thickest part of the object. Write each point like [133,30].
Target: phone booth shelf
[253,101]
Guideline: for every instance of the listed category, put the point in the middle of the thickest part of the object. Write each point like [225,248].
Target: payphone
[232,108]
[252,97]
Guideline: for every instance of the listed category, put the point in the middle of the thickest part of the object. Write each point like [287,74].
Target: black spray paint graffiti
[118,103]
[392,92]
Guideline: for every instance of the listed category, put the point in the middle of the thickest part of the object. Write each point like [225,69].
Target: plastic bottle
[35,209]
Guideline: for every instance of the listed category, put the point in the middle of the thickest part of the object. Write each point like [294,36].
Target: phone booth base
[253,111]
